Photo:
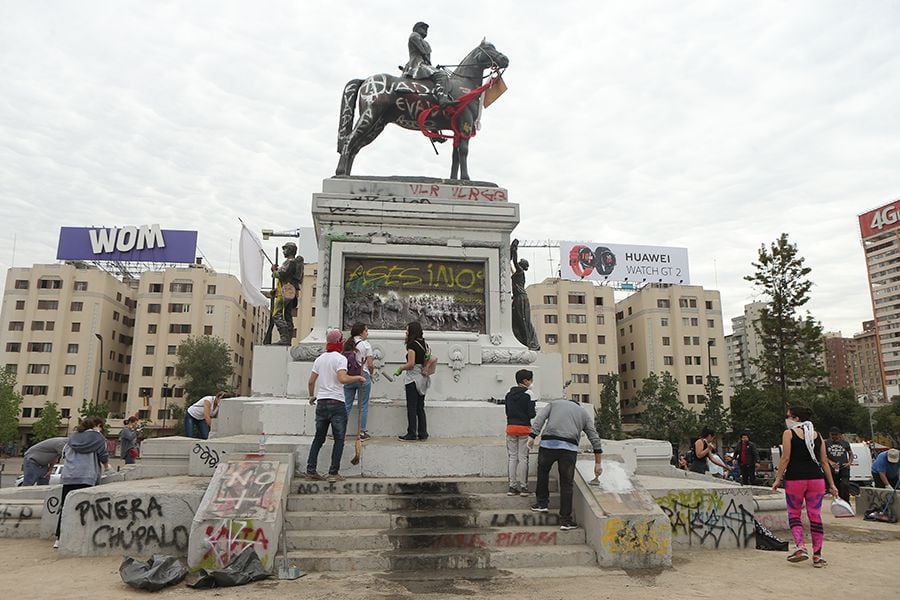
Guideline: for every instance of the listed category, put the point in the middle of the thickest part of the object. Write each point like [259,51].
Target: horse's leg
[359,137]
[454,165]
[464,160]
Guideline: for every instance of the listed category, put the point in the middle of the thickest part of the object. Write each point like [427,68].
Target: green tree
[886,421]
[714,414]
[606,417]
[48,425]
[758,411]
[664,416]
[95,409]
[205,364]
[10,401]
[839,408]
[791,343]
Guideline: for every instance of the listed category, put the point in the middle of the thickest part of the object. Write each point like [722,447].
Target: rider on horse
[419,64]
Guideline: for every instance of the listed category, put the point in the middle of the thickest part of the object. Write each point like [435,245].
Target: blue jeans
[35,474]
[350,392]
[328,412]
[195,428]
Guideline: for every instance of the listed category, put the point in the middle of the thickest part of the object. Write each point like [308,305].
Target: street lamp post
[100,370]
[709,345]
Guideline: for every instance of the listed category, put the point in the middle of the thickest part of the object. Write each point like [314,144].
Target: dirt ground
[863,559]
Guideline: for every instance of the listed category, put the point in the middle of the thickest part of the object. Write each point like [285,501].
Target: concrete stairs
[427,526]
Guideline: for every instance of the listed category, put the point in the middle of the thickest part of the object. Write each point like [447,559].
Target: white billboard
[623,262]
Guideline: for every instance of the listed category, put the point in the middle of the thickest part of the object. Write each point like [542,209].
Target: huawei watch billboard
[623,262]
[132,243]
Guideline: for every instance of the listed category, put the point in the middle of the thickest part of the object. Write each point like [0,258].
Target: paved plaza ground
[863,559]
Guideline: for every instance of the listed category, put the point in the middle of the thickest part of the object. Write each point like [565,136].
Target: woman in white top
[199,415]
[359,333]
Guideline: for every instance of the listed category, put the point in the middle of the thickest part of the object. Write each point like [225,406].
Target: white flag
[252,267]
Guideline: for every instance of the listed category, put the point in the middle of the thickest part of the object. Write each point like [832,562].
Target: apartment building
[838,351]
[865,365]
[743,345]
[577,320]
[674,328]
[73,333]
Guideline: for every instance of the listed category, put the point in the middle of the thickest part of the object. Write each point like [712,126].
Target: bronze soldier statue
[521,307]
[419,64]
[289,276]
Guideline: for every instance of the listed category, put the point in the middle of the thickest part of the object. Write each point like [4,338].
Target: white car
[55,476]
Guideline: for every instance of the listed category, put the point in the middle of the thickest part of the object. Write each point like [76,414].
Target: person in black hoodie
[85,456]
[519,412]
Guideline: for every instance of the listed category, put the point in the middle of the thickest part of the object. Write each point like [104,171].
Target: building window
[207,330]
[210,309]
[668,360]
[39,369]
[550,338]
[601,359]
[81,286]
[12,368]
[624,385]
[68,390]
[145,392]
[26,412]
[666,341]
[48,304]
[40,347]
[701,399]
[149,350]
[181,287]
[578,319]
[151,328]
[581,378]
[20,305]
[692,399]
[170,371]
[576,298]
[176,307]
[37,325]
[147,371]
[598,301]
[573,338]
[601,339]
[13,347]
[578,358]
[662,303]
[76,306]
[688,360]
[171,350]
[689,379]
[713,361]
[156,288]
[710,323]
[549,299]
[211,290]
[631,365]
[17,325]
[601,319]
[115,315]
[65,413]
[623,350]
[709,305]
[664,322]
[153,308]
[551,319]
[21,284]
[50,284]
[34,390]
[698,379]
[72,348]
[70,369]
[76,327]
[179,328]
[709,342]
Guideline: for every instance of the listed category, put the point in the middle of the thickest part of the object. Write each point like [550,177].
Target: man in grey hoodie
[562,422]
[84,454]
[40,458]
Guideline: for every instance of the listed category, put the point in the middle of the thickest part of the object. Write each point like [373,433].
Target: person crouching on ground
[519,413]
[803,456]
[326,390]
[83,456]
[562,422]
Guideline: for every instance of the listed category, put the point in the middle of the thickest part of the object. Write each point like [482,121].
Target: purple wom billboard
[133,243]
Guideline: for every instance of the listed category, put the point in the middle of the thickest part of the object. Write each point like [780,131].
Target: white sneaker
[55,544]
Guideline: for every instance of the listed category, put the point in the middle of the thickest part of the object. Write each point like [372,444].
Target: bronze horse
[387,99]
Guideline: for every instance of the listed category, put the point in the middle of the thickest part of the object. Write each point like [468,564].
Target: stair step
[428,559]
[391,503]
[408,486]
[374,539]
[422,519]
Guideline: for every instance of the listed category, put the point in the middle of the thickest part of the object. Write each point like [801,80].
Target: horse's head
[488,56]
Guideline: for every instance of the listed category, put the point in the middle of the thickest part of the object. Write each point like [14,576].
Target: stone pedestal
[395,250]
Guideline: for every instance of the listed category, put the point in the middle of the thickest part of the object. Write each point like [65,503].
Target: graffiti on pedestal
[706,517]
[246,491]
[639,536]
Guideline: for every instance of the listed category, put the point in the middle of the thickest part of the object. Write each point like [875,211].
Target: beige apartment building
[577,320]
[73,333]
[743,346]
[865,366]
[674,328]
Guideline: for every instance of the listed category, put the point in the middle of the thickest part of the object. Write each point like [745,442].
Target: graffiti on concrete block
[14,515]
[130,524]
[708,518]
[52,504]
[644,536]
[208,455]
[246,490]
[229,538]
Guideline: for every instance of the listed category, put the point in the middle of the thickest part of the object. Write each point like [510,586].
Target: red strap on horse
[454,112]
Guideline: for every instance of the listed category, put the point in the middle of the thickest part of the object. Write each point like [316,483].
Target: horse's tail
[348,111]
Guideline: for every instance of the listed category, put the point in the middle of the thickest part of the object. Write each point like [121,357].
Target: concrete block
[269,366]
[134,518]
[20,517]
[242,507]
[708,517]
[871,497]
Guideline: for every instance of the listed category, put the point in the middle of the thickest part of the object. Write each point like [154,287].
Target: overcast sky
[709,125]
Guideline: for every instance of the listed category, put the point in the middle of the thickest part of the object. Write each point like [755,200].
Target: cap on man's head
[893,455]
[333,336]
[289,245]
[834,430]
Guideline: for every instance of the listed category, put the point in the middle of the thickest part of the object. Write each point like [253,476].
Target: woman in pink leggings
[802,457]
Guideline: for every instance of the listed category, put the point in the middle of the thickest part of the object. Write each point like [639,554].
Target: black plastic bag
[766,540]
[243,568]
[154,574]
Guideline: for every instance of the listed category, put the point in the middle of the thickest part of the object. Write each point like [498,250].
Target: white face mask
[791,423]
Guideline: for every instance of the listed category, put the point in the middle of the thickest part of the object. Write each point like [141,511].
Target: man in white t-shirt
[326,390]
[365,357]
[199,415]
